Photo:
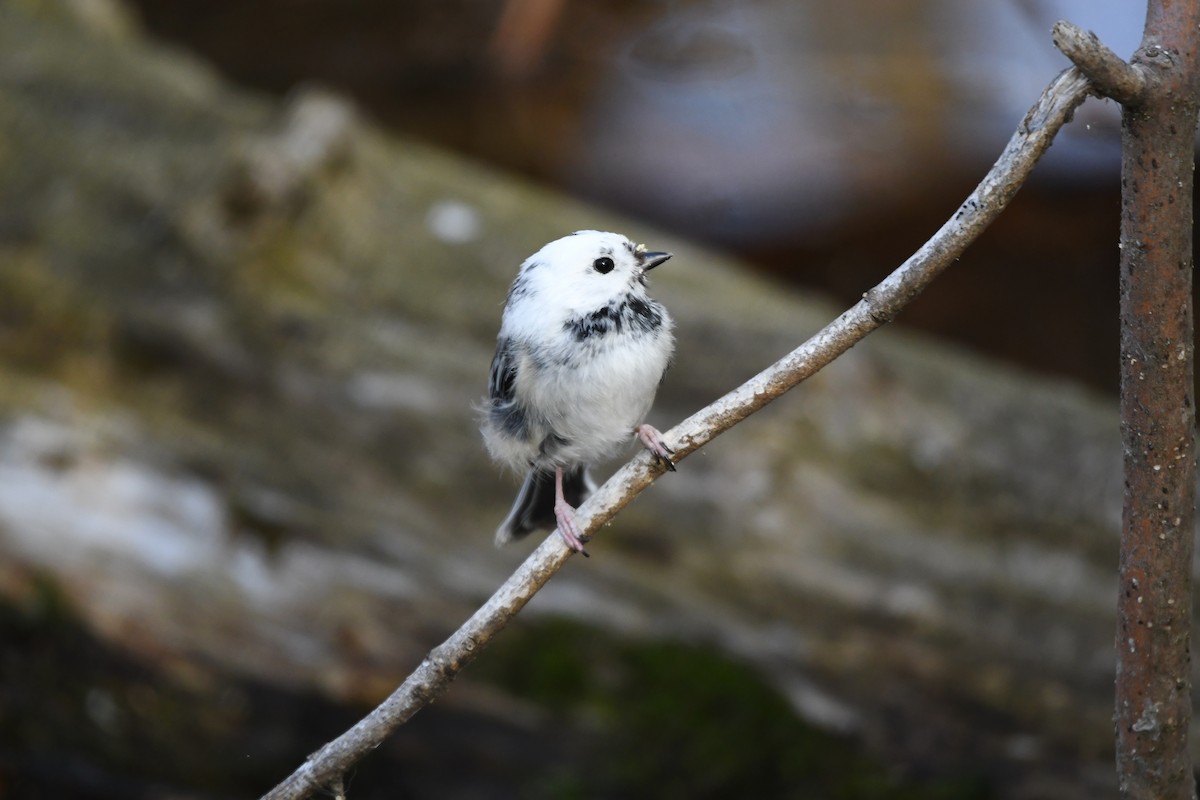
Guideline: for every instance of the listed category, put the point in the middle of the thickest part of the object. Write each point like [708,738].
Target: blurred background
[823,142]
[252,256]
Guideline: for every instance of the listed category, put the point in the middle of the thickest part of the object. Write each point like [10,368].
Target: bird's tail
[534,507]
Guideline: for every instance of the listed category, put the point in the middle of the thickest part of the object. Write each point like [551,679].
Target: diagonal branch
[878,306]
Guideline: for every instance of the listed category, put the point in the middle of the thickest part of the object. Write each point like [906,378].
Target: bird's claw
[568,529]
[653,441]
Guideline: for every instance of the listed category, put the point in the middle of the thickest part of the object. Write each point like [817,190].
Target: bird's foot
[568,529]
[652,440]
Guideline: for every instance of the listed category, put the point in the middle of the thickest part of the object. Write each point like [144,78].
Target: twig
[1052,110]
[1108,72]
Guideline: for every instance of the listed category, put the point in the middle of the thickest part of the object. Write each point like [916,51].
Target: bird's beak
[650,260]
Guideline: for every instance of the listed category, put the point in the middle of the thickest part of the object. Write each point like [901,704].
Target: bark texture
[1153,687]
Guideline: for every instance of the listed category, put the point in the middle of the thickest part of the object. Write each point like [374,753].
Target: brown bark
[1153,686]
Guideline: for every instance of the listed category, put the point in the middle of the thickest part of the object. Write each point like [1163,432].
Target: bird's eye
[603,265]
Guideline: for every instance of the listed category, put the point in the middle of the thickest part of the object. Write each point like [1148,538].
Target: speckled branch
[1153,713]
[1032,138]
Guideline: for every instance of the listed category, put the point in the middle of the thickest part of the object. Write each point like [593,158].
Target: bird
[580,354]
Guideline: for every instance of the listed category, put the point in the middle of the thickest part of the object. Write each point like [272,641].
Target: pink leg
[652,440]
[565,514]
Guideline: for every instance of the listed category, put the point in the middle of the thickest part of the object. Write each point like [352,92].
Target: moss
[669,719]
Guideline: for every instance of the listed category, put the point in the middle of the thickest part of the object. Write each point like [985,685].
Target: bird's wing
[501,383]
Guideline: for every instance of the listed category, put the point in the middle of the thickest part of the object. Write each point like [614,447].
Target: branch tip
[1109,74]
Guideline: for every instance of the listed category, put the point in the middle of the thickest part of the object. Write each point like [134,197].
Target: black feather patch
[631,313]
[505,411]
[504,373]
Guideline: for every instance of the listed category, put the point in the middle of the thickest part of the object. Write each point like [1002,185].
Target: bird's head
[585,271]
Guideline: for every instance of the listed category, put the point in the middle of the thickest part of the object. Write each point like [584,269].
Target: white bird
[581,351]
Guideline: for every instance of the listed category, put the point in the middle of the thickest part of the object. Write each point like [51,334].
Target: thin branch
[1032,138]
[1108,72]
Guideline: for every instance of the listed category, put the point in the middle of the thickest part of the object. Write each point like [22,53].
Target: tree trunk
[1153,685]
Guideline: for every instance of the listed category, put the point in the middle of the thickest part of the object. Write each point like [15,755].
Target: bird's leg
[652,440]
[564,512]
